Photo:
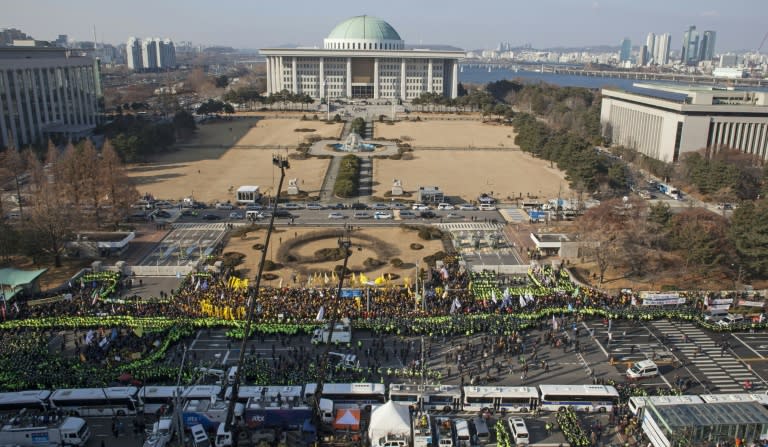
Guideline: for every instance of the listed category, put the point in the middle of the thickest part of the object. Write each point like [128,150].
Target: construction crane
[762,43]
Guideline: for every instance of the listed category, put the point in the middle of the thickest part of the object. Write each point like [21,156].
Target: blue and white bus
[588,398]
[427,397]
[517,399]
[116,401]
[359,394]
[36,400]
[153,398]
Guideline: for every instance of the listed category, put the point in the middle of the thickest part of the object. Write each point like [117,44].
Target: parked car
[487,207]
[162,214]
[254,207]
[419,207]
[235,215]
[730,320]
[382,215]
[445,206]
[188,212]
[428,214]
[224,206]
[486,199]
[398,206]
[292,206]
[362,215]
[406,214]
[336,215]
[379,206]
[337,206]
[359,206]
[466,207]
[454,216]
[315,206]
[211,217]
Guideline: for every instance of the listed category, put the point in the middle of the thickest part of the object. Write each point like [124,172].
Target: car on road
[292,206]
[164,204]
[315,206]
[487,207]
[379,206]
[466,207]
[643,369]
[188,212]
[359,206]
[445,206]
[336,215]
[454,216]
[428,214]
[398,206]
[362,215]
[337,206]
[730,320]
[254,207]
[224,206]
[162,214]
[211,217]
[486,199]
[235,215]
[419,207]
[382,215]
[407,214]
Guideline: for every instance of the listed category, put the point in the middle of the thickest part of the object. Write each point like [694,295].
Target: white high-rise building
[46,92]
[166,53]
[148,54]
[133,53]
[650,44]
[661,49]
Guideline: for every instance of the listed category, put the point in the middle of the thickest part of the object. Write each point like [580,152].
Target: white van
[462,433]
[519,431]
[231,373]
[730,320]
[715,315]
[640,370]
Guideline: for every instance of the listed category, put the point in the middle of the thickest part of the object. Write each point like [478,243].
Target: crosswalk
[201,226]
[515,215]
[469,226]
[723,373]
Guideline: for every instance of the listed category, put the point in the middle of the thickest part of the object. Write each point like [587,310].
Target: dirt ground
[467,174]
[453,134]
[398,241]
[211,170]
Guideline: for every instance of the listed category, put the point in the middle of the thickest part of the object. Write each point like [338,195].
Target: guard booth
[430,194]
[704,425]
[248,195]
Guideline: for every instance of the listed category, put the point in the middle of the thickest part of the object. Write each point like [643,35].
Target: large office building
[363,57]
[666,122]
[150,54]
[46,92]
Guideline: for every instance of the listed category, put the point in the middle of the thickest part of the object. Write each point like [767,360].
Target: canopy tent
[347,418]
[13,281]
[389,418]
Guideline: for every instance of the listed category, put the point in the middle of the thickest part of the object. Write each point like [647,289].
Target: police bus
[284,393]
[24,400]
[153,398]
[516,399]
[359,394]
[589,398]
[116,401]
[427,397]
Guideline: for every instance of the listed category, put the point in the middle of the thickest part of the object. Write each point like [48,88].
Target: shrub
[431,259]
[329,254]
[430,233]
[396,262]
[416,246]
[271,265]
[258,247]
[232,259]
[373,263]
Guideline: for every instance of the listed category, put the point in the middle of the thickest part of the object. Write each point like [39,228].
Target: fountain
[354,143]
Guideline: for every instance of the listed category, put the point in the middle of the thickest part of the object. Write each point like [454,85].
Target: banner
[751,303]
[661,299]
[719,307]
[351,293]
[723,301]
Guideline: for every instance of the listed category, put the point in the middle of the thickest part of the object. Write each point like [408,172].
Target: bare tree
[13,165]
[119,190]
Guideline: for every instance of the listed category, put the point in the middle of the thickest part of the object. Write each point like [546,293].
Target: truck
[34,430]
[342,333]
[209,413]
[669,190]
[422,430]
[161,434]
[263,415]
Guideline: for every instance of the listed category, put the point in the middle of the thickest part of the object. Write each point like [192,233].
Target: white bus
[117,401]
[349,393]
[30,400]
[286,394]
[428,397]
[581,397]
[518,399]
[638,403]
[153,398]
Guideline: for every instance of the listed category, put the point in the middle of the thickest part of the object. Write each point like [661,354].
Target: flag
[320,314]
[16,306]
[455,306]
[554,323]
[326,280]
[280,284]
[444,273]
[522,301]
[204,286]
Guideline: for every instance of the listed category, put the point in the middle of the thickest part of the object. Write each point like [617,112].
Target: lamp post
[283,164]
[345,243]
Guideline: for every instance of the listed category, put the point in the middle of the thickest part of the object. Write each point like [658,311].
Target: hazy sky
[740,24]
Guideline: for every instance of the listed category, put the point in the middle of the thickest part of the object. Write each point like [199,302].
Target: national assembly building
[363,57]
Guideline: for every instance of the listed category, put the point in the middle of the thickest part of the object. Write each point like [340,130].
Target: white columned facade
[294,83]
[429,76]
[36,102]
[321,79]
[455,80]
[375,78]
[402,79]
[45,87]
[22,124]
[269,77]
[349,77]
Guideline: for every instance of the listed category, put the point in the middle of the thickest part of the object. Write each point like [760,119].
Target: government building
[363,57]
[46,92]
[666,122]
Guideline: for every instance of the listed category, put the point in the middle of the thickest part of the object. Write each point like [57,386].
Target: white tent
[389,418]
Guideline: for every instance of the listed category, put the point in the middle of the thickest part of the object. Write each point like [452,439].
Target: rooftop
[364,28]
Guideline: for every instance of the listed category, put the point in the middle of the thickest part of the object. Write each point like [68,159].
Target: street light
[282,163]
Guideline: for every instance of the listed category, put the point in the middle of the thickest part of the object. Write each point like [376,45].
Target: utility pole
[345,243]
[177,402]
[283,164]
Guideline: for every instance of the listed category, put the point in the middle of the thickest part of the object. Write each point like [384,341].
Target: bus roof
[271,391]
[25,396]
[529,391]
[579,390]
[420,389]
[94,393]
[347,388]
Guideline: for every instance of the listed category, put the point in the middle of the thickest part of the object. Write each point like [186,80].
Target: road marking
[192,345]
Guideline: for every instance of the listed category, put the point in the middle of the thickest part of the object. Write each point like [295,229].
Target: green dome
[364,27]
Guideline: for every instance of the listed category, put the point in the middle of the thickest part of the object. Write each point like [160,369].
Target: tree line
[137,139]
[65,191]
[252,96]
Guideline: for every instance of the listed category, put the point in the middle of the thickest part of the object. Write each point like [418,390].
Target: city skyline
[579,23]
